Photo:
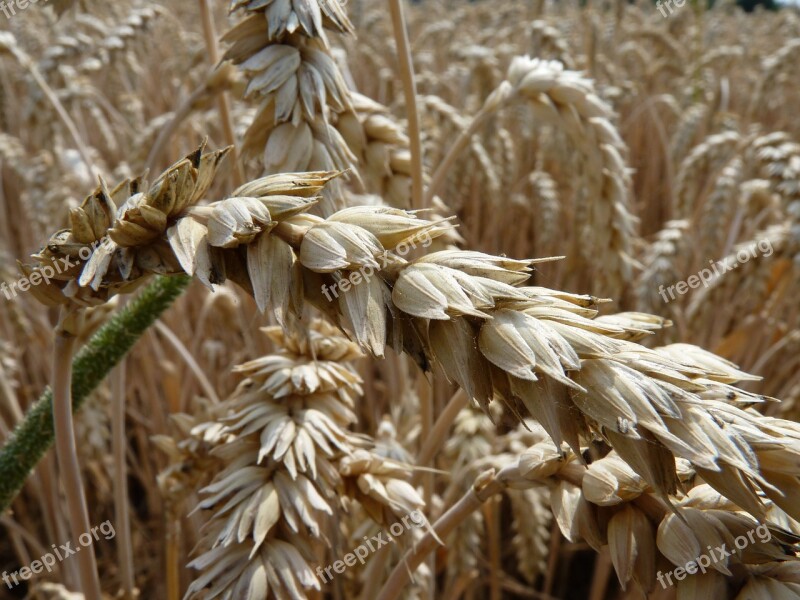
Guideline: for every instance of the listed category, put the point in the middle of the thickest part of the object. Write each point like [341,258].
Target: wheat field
[314,299]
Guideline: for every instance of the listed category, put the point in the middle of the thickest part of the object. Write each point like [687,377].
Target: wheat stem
[552,561]
[172,560]
[119,445]
[62,113]
[602,573]
[67,450]
[187,356]
[493,544]
[426,401]
[461,143]
[223,101]
[438,434]
[410,93]
[486,486]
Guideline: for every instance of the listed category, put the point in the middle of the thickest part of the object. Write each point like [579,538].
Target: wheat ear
[290,69]
[567,100]
[464,312]
[287,461]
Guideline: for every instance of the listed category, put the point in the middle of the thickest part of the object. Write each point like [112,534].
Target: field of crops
[376,300]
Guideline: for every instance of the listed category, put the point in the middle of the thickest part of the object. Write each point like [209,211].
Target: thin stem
[67,449]
[28,64]
[122,515]
[24,534]
[486,486]
[554,552]
[183,111]
[426,402]
[438,434]
[374,573]
[223,101]
[663,139]
[461,143]
[602,573]
[490,516]
[736,225]
[195,368]
[173,559]
[410,93]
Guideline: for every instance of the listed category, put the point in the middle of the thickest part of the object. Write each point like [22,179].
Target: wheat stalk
[465,313]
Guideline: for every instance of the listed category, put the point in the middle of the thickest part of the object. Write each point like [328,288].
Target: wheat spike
[467,314]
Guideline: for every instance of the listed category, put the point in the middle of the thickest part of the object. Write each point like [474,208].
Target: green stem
[33,437]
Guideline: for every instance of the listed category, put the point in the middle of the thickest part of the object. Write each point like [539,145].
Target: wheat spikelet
[123,244]
[191,464]
[381,147]
[548,43]
[719,210]
[532,521]
[721,54]
[663,265]
[686,131]
[505,154]
[470,443]
[534,181]
[666,44]
[761,276]
[537,204]
[776,157]
[287,428]
[447,119]
[772,67]
[97,46]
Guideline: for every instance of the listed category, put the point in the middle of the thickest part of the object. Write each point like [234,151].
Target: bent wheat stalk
[463,312]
